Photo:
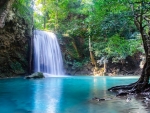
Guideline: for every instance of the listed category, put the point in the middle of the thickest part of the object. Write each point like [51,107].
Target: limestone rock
[14,46]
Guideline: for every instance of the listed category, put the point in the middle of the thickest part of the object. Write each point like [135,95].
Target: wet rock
[147,99]
[122,94]
[128,99]
[14,47]
[98,99]
[35,76]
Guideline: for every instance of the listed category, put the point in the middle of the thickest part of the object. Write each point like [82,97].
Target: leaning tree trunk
[143,83]
[140,18]
[91,54]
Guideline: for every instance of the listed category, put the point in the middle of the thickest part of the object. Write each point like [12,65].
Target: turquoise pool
[69,94]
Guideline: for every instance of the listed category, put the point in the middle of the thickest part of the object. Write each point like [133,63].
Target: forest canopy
[109,24]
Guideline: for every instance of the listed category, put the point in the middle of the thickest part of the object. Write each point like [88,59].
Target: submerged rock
[35,75]
[101,99]
[128,99]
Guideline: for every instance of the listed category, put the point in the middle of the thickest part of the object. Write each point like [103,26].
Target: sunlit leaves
[24,9]
[53,11]
[109,23]
[117,46]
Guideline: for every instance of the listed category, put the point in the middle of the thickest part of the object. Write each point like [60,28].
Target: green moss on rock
[35,76]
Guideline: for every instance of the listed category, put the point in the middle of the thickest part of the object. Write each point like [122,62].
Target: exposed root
[142,85]
[122,87]
[134,88]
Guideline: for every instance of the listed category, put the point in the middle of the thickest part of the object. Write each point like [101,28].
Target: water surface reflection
[65,95]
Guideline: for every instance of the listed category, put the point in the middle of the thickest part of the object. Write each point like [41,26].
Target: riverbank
[131,67]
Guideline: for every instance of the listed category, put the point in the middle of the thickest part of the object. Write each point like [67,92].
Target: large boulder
[35,75]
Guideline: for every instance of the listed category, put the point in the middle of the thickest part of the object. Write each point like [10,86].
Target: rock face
[35,76]
[14,44]
[129,67]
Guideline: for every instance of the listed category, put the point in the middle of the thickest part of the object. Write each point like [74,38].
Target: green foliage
[75,64]
[16,66]
[117,24]
[118,47]
[109,24]
[24,9]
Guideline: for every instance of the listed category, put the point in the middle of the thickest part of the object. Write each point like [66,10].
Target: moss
[35,76]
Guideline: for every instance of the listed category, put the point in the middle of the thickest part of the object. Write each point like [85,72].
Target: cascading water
[47,54]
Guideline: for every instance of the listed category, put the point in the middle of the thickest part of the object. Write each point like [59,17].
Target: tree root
[122,87]
[134,88]
[141,86]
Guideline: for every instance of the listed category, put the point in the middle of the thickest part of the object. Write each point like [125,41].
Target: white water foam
[47,53]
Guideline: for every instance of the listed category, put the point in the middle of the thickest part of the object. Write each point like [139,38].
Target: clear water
[65,95]
[47,54]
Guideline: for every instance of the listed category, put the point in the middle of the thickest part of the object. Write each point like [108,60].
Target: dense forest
[102,33]
[96,37]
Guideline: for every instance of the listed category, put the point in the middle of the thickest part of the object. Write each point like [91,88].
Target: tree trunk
[31,42]
[56,16]
[76,49]
[142,84]
[91,54]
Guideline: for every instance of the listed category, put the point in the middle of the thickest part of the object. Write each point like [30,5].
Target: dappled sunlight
[48,99]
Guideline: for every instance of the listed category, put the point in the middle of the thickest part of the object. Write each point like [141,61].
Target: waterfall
[47,54]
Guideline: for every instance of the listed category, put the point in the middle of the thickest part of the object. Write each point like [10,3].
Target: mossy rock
[35,75]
